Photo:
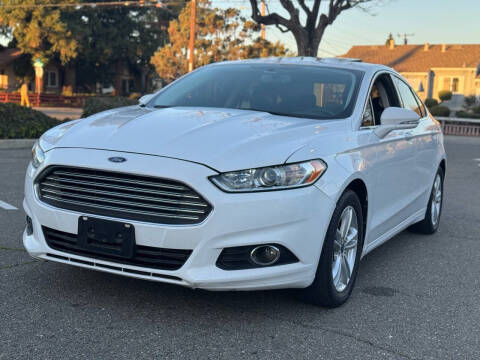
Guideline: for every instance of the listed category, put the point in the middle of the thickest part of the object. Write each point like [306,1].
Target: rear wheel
[338,265]
[430,224]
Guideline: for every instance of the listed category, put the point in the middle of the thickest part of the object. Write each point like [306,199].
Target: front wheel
[338,265]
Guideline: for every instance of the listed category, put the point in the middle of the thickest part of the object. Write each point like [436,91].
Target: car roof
[345,63]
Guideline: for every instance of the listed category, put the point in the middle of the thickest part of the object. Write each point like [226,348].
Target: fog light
[265,255]
[29,226]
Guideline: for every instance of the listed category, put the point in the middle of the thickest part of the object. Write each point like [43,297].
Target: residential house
[429,68]
[58,78]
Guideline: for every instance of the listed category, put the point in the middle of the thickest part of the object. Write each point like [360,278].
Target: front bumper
[296,219]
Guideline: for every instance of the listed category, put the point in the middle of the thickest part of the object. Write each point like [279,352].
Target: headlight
[271,178]
[38,156]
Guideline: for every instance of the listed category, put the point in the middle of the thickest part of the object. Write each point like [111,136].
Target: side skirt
[416,217]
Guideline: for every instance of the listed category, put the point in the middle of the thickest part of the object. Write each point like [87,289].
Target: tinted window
[367,119]
[422,106]
[291,90]
[408,98]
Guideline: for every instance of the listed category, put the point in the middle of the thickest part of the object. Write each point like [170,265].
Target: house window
[52,79]
[455,85]
[3,81]
[128,86]
[446,83]
[451,83]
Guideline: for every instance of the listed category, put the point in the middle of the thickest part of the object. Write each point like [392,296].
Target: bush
[18,122]
[430,103]
[440,110]
[470,101]
[445,95]
[476,110]
[467,115]
[96,104]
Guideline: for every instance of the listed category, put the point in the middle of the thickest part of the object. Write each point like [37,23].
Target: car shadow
[82,288]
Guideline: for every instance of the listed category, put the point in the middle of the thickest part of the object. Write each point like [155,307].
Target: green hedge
[96,104]
[18,122]
[429,103]
[445,95]
[440,110]
[467,115]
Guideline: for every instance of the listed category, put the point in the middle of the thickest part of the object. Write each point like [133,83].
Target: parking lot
[417,297]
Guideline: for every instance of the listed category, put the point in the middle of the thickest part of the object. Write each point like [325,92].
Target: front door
[393,166]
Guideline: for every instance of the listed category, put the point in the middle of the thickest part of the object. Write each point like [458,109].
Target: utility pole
[263,14]
[405,37]
[191,45]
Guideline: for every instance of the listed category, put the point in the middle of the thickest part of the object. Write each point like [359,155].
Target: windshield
[290,90]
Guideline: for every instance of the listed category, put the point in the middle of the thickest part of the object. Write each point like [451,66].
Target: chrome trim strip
[149,213]
[120,187]
[123,202]
[115,179]
[119,194]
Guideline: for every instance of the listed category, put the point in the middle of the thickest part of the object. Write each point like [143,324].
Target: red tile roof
[413,58]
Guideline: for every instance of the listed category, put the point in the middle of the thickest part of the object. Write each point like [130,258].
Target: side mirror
[395,118]
[145,99]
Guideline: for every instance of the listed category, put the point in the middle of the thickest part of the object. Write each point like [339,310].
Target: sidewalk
[61,113]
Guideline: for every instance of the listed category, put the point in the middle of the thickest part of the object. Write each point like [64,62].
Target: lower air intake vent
[144,256]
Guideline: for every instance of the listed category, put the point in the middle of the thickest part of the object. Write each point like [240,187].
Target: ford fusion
[244,175]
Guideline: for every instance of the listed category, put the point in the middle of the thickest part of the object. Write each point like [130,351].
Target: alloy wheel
[345,249]
[436,200]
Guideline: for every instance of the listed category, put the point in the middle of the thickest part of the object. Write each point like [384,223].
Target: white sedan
[260,174]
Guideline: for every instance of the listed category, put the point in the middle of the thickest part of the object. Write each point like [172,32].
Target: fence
[460,126]
[52,100]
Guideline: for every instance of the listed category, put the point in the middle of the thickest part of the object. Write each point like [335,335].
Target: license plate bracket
[106,237]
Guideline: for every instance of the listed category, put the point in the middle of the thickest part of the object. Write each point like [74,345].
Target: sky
[432,21]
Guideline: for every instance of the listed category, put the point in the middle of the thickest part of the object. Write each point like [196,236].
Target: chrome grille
[120,195]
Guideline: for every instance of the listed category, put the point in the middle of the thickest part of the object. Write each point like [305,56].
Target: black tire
[322,291]
[426,226]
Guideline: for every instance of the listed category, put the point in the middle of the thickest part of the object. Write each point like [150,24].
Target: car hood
[223,139]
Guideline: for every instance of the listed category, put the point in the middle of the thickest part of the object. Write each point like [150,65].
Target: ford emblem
[117,159]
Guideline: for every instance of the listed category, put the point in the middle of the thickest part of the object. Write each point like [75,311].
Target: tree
[92,39]
[22,67]
[110,37]
[38,31]
[309,35]
[222,34]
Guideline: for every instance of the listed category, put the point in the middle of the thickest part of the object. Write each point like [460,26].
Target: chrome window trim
[415,96]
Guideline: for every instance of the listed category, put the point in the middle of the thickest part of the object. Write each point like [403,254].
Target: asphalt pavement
[417,297]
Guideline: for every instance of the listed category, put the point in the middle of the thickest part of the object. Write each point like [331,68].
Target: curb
[16,143]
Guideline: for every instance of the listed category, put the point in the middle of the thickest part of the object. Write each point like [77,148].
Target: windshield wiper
[268,111]
[162,106]
[285,114]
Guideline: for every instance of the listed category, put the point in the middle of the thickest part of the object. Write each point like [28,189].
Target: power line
[139,3]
